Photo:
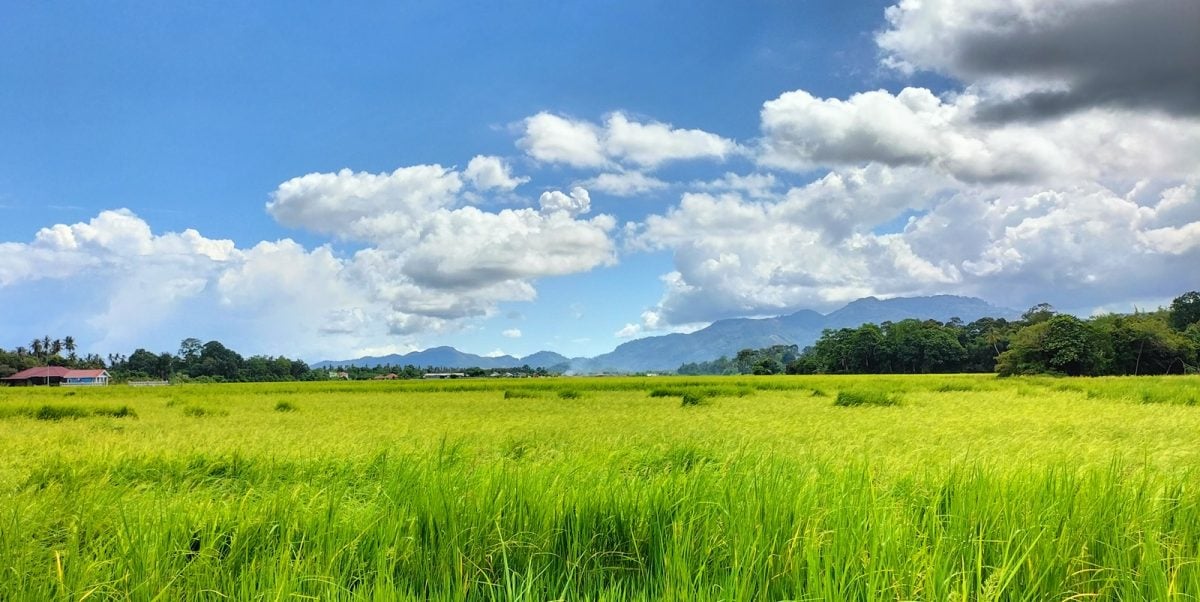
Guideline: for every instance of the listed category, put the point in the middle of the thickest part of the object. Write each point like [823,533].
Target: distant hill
[449,357]
[724,337]
[727,337]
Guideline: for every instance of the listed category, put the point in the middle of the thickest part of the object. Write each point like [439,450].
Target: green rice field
[722,488]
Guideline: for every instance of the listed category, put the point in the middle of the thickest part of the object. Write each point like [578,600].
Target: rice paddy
[750,488]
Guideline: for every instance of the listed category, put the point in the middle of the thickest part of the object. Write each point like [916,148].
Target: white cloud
[491,173]
[495,353]
[917,128]
[755,185]
[654,143]
[629,183]
[364,206]
[430,262]
[435,245]
[1085,245]
[512,333]
[629,331]
[579,143]
[555,139]
[576,203]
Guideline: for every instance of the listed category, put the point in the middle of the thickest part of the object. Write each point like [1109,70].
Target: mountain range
[721,338]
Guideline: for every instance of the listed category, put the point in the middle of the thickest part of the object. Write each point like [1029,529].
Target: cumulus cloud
[1019,245]
[491,173]
[629,183]
[577,202]
[755,185]
[651,144]
[512,333]
[413,218]
[917,128]
[1051,57]
[553,139]
[273,297]
[429,260]
[619,140]
[364,206]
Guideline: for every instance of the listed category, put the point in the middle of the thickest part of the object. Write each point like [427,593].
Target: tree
[1144,344]
[1062,344]
[917,347]
[142,363]
[69,345]
[189,350]
[1185,310]
[217,361]
[1038,313]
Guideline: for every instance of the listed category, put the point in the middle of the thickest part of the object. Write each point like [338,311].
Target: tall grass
[967,491]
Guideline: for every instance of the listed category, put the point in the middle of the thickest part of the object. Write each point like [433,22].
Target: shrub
[692,399]
[569,394]
[955,387]
[865,398]
[285,406]
[56,413]
[199,412]
[121,412]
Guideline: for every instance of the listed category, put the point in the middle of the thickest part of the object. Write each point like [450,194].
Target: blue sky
[731,159]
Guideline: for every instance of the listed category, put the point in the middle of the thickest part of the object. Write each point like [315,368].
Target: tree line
[195,361]
[1042,341]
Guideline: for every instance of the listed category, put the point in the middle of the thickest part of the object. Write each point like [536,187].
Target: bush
[865,398]
[56,413]
[569,394]
[955,387]
[285,406]
[199,412]
[121,412]
[692,399]
[519,394]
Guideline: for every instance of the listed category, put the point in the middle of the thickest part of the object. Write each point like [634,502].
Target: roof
[86,373]
[55,372]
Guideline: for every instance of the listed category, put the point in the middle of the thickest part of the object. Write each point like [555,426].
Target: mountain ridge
[723,337]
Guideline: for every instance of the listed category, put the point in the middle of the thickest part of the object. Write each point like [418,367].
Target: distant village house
[57,376]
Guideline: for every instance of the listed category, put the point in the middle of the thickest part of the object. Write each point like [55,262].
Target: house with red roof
[56,376]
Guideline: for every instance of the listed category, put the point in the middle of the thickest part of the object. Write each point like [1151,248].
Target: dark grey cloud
[1133,54]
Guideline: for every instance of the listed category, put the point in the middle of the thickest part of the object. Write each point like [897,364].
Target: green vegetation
[973,488]
[859,397]
[1043,341]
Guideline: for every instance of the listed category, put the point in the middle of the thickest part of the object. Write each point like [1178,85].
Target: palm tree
[56,346]
[21,351]
[35,347]
[69,345]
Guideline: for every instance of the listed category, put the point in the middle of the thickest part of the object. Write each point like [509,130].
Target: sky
[327,182]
